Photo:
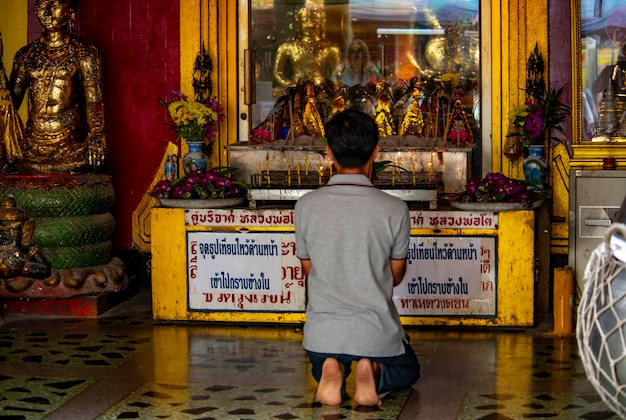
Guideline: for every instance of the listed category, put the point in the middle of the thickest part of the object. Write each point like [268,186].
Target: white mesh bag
[601,327]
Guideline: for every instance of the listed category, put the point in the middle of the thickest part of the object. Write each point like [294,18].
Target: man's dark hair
[352,136]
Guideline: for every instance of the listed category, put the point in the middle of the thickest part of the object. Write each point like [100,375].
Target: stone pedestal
[74,233]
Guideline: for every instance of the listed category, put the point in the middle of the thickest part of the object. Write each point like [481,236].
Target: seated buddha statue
[64,131]
[310,57]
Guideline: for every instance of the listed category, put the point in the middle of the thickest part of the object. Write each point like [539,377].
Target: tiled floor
[125,365]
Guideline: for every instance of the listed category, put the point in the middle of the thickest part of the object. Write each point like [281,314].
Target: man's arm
[306,267]
[398,268]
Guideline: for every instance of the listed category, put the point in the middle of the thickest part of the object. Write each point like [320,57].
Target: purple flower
[471,188]
[524,197]
[497,187]
[174,96]
[534,124]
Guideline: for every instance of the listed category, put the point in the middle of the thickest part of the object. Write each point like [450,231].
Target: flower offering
[194,121]
[201,184]
[497,187]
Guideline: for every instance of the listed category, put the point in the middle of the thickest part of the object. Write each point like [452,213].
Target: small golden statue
[458,130]
[339,105]
[313,124]
[296,127]
[384,119]
[18,256]
[431,123]
[308,58]
[413,121]
[65,128]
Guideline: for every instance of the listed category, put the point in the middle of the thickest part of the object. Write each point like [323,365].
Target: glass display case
[415,64]
[603,70]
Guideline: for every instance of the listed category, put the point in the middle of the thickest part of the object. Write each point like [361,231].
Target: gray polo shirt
[349,230]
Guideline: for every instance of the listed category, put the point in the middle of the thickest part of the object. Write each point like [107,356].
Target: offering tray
[284,186]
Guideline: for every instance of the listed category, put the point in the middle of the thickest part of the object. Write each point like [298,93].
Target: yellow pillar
[521,25]
[563,300]
[516,257]
[169,264]
[14,29]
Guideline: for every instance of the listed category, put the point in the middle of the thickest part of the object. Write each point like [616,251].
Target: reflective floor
[125,365]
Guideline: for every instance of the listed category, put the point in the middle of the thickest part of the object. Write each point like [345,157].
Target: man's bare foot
[366,384]
[331,382]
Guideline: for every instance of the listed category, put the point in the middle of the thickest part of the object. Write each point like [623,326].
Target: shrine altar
[240,265]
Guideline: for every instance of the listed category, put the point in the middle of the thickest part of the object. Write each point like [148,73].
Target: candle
[267,170]
[258,177]
[291,131]
[289,176]
[320,173]
[393,175]
[306,164]
[331,169]
[398,163]
[298,170]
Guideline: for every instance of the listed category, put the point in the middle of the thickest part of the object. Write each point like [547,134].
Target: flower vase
[535,166]
[195,158]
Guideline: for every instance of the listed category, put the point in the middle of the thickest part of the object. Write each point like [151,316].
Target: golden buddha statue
[309,57]
[65,127]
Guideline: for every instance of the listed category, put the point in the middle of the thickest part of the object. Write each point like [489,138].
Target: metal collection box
[595,199]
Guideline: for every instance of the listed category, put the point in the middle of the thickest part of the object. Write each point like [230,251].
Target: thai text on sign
[244,271]
[260,271]
[449,276]
[420,219]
